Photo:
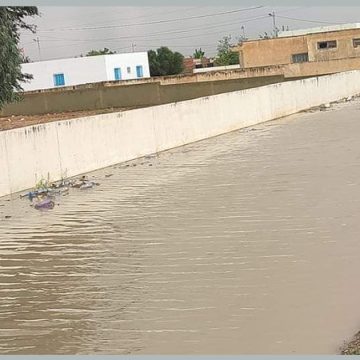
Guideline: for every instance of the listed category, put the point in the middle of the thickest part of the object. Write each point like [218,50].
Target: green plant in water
[42,184]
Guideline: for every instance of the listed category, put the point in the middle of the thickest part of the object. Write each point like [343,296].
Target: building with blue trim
[84,70]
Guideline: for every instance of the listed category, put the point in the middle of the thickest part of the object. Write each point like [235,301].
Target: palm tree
[198,54]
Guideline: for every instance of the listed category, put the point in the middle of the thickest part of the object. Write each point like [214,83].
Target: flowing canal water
[243,243]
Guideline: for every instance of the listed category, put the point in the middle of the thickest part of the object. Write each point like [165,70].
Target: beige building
[330,44]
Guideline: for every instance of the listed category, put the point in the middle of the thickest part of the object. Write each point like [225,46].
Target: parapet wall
[130,94]
[72,147]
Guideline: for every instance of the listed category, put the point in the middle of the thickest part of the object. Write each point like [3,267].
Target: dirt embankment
[12,122]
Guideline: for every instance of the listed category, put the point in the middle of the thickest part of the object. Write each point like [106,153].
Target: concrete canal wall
[72,147]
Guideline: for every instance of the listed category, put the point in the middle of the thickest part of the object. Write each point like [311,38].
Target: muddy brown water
[244,243]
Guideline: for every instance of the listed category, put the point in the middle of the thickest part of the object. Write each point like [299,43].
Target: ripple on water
[244,243]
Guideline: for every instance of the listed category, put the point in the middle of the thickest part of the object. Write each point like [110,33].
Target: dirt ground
[12,122]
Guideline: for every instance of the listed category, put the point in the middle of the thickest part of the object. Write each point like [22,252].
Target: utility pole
[38,43]
[274,23]
[243,32]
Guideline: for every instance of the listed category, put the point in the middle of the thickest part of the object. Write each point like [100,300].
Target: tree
[163,61]
[153,63]
[104,51]
[11,77]
[225,55]
[198,54]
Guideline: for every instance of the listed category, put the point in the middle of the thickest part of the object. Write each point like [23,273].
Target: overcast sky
[71,31]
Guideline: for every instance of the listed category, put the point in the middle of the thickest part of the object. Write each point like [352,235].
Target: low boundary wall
[128,94]
[72,147]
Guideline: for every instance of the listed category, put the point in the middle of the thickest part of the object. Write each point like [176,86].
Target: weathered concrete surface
[139,93]
[71,147]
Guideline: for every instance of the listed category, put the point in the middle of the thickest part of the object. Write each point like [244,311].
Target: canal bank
[72,147]
[243,243]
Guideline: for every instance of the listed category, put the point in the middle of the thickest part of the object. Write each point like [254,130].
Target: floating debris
[33,194]
[60,191]
[87,185]
[77,184]
[44,204]
[45,193]
[84,183]
[324,107]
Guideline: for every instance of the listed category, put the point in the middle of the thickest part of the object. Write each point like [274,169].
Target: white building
[84,70]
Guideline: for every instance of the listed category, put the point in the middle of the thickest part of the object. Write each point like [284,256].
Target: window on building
[327,44]
[59,80]
[356,42]
[128,69]
[139,71]
[299,58]
[117,73]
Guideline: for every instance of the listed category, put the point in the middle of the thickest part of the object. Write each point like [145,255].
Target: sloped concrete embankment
[71,147]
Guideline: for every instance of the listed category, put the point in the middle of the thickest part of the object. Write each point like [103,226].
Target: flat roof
[319,29]
[84,58]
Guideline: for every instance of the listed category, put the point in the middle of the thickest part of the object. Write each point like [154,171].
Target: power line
[118,20]
[155,22]
[38,44]
[309,21]
[221,25]
[137,17]
[144,37]
[213,46]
